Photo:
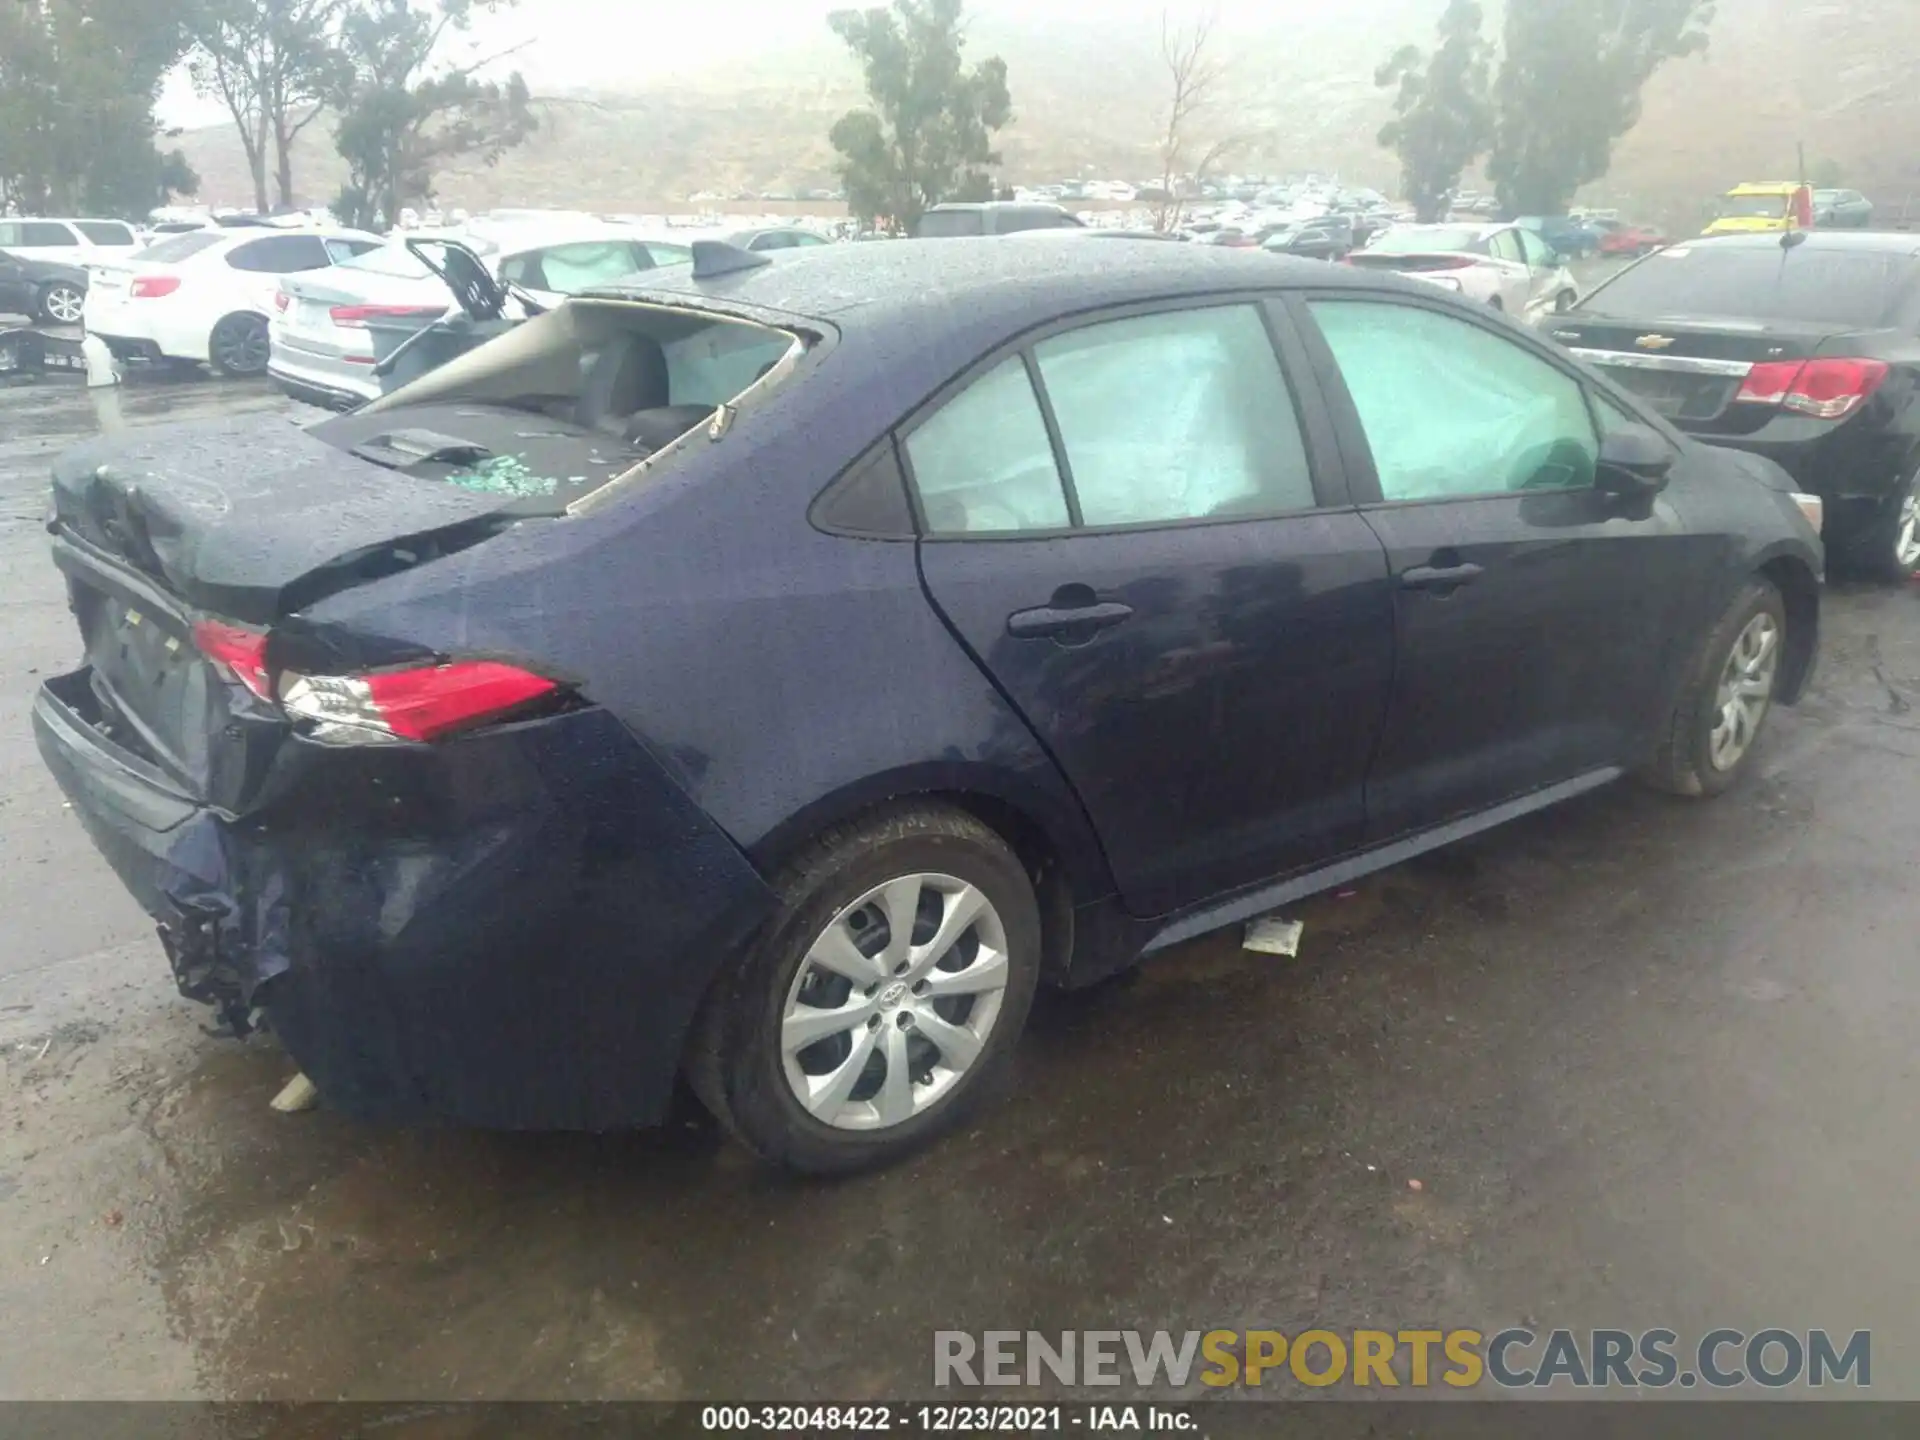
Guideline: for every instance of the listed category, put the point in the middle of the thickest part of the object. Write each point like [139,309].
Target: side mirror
[1635,463]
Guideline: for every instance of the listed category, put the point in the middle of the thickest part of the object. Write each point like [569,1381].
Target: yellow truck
[1763,206]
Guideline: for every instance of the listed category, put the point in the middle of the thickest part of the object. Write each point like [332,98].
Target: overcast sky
[613,44]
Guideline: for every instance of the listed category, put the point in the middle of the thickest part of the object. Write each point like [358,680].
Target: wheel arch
[1056,846]
[1799,590]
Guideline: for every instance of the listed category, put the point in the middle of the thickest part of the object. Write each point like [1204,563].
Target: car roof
[1480,229]
[224,240]
[920,311]
[1889,242]
[1765,187]
[953,206]
[851,285]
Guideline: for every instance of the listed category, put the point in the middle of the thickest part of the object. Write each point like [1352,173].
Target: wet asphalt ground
[1652,1063]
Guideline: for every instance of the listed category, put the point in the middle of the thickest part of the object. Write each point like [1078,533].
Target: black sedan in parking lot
[41,290]
[771,671]
[1803,349]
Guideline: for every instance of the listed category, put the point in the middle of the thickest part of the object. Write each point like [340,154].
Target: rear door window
[1538,254]
[1453,410]
[1506,246]
[280,255]
[948,224]
[1177,416]
[982,464]
[105,232]
[37,234]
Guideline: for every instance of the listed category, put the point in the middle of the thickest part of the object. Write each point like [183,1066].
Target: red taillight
[1825,389]
[240,653]
[281,300]
[355,317]
[419,704]
[152,287]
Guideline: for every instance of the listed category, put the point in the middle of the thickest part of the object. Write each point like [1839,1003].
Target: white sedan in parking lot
[329,331]
[204,297]
[1505,266]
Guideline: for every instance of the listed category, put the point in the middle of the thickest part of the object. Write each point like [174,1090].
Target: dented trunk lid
[239,524]
[230,517]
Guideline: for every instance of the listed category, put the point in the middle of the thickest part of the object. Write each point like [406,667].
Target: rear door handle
[1439,577]
[1052,622]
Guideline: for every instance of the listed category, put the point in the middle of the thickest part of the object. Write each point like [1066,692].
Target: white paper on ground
[1271,935]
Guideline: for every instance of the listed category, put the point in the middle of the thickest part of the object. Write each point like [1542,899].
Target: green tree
[1827,174]
[78,83]
[406,111]
[270,63]
[929,134]
[1570,86]
[1442,109]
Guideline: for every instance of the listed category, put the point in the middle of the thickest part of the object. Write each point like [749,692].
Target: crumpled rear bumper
[513,929]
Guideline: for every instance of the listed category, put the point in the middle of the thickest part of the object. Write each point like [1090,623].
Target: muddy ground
[1652,1062]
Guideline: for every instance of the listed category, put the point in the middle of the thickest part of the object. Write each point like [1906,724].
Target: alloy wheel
[1906,535]
[894,1002]
[1746,691]
[241,347]
[64,304]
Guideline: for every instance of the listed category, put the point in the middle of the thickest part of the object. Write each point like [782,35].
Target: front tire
[1708,741]
[239,346]
[882,1001]
[62,304]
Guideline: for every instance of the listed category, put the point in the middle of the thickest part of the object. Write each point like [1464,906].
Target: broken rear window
[572,400]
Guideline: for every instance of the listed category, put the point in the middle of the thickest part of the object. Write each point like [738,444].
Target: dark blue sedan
[774,673]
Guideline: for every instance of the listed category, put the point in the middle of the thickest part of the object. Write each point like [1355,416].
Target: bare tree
[1196,73]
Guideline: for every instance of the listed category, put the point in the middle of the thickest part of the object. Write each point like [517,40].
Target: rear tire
[239,346]
[62,304]
[1708,741]
[1883,542]
[826,1071]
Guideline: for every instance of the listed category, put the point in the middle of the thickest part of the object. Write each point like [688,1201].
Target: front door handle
[1061,622]
[1439,577]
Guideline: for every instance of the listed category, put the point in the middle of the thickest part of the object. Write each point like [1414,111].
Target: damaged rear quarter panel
[785,677]
[507,930]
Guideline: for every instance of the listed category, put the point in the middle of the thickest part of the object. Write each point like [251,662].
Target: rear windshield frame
[175,248]
[1676,282]
[461,377]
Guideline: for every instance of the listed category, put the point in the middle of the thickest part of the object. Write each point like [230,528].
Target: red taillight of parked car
[152,287]
[423,703]
[1827,389]
[239,653]
[355,317]
[281,300]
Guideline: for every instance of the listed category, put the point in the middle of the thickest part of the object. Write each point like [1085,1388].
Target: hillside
[1088,99]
